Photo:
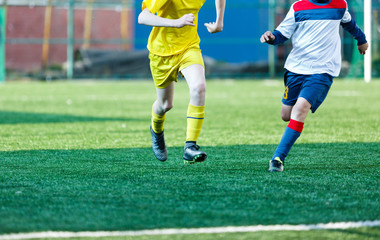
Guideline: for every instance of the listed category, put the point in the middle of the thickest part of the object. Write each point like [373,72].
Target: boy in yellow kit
[174,47]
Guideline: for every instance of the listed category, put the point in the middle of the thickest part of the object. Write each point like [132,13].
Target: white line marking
[172,231]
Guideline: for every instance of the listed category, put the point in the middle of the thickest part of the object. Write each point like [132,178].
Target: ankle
[190,144]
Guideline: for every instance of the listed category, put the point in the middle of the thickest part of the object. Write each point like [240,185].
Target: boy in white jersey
[174,47]
[312,64]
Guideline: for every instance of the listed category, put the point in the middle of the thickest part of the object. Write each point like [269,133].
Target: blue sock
[292,132]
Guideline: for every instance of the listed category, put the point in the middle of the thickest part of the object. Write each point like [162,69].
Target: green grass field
[76,156]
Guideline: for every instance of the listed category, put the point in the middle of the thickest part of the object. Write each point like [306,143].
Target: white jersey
[314,30]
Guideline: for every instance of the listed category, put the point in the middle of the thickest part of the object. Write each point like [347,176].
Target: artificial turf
[76,156]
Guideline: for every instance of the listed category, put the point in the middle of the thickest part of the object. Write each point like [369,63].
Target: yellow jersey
[166,41]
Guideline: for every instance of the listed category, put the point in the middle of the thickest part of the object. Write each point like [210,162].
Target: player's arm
[273,38]
[217,26]
[283,32]
[348,24]
[150,19]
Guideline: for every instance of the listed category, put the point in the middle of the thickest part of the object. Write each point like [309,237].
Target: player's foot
[193,155]
[158,145]
[276,165]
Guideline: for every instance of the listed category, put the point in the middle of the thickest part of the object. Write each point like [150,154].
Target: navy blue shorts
[313,88]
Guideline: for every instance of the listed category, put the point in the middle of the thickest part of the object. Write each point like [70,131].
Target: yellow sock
[157,122]
[195,117]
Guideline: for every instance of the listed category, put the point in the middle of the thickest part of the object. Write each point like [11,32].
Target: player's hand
[213,27]
[267,37]
[185,20]
[363,48]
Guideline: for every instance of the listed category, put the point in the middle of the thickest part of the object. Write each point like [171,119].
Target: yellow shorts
[165,69]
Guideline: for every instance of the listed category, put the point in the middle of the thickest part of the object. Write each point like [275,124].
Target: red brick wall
[26,22]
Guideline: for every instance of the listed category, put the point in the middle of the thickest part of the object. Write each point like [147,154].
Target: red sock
[295,125]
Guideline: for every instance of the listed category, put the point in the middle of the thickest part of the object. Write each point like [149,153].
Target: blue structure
[244,22]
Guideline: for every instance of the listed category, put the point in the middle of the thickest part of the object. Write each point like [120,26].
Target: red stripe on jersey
[295,125]
[307,5]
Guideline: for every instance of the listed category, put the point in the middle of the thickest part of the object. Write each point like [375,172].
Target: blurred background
[56,39]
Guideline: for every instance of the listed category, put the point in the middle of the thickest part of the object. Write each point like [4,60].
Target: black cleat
[276,165]
[193,155]
[158,145]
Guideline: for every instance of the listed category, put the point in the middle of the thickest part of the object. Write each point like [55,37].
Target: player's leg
[294,128]
[300,110]
[163,104]
[164,73]
[293,84]
[286,111]
[195,78]
[314,91]
[291,134]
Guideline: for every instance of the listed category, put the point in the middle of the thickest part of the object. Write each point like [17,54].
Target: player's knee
[300,112]
[299,116]
[198,89]
[285,117]
[165,107]
[286,111]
